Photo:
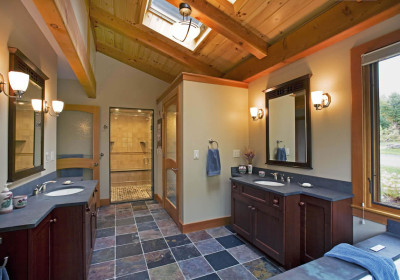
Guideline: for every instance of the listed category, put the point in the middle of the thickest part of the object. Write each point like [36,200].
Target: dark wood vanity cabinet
[292,229]
[60,247]
[324,224]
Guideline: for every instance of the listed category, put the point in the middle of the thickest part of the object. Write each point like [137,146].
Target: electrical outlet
[236,153]
[196,154]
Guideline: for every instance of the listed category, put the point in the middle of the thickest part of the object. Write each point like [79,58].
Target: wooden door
[268,230]
[39,251]
[315,228]
[78,142]
[242,216]
[171,172]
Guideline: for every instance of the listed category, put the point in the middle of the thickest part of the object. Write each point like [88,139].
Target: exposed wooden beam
[134,62]
[147,38]
[226,26]
[343,20]
[60,19]
[143,10]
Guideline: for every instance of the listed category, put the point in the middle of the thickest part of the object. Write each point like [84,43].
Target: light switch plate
[236,153]
[47,156]
[196,154]
[377,248]
[52,155]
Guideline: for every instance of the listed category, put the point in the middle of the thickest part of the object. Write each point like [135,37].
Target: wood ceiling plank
[142,10]
[145,36]
[61,21]
[227,26]
[340,22]
[135,62]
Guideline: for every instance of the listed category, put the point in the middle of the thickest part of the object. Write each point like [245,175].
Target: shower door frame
[109,152]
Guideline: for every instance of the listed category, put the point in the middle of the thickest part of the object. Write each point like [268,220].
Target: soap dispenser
[6,196]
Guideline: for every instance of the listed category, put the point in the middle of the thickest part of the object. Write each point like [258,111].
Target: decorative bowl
[261,174]
[242,169]
[20,201]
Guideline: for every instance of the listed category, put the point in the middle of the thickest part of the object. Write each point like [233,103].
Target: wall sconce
[18,81]
[57,107]
[256,114]
[320,99]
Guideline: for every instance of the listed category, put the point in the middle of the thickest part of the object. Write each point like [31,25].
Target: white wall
[221,113]
[331,127]
[118,85]
[19,30]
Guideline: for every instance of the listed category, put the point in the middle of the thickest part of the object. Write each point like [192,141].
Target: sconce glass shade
[19,81]
[253,112]
[37,105]
[316,97]
[181,28]
[58,106]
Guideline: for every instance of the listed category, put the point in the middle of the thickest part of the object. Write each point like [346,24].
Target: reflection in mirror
[25,126]
[28,136]
[288,124]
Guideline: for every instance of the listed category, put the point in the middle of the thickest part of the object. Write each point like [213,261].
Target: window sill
[375,215]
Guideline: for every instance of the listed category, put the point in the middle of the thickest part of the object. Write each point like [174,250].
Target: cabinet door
[242,216]
[315,228]
[88,239]
[39,251]
[268,231]
[14,245]
[66,243]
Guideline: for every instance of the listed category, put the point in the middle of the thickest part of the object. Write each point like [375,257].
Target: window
[383,88]
[375,68]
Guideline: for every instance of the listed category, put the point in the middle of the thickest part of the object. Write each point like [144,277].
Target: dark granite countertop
[40,206]
[292,188]
[332,268]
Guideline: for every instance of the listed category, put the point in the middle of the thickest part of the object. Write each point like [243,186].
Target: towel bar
[210,142]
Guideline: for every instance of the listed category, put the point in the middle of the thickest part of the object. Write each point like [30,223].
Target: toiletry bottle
[6,205]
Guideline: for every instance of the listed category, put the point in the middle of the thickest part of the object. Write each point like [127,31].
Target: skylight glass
[231,1]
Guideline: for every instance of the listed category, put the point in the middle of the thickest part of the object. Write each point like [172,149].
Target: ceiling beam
[61,20]
[343,20]
[146,37]
[226,26]
[134,62]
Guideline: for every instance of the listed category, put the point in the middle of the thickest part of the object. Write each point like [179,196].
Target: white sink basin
[269,183]
[62,192]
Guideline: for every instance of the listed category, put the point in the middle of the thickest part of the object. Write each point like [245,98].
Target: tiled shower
[131,152]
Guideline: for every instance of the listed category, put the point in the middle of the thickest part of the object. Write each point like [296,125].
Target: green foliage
[389,117]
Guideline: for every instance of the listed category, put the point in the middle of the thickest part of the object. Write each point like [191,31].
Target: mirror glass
[28,127]
[25,126]
[288,124]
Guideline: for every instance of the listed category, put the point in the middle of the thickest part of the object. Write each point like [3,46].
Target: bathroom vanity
[291,224]
[52,237]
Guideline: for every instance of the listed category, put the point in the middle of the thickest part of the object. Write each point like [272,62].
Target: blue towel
[281,154]
[213,162]
[381,268]
[3,273]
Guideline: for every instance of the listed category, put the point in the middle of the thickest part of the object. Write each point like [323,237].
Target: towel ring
[5,262]
[211,142]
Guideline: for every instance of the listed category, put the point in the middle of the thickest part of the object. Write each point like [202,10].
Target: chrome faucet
[275,176]
[42,187]
[283,177]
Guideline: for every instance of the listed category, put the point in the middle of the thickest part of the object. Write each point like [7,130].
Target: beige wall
[221,113]
[331,127]
[118,85]
[19,30]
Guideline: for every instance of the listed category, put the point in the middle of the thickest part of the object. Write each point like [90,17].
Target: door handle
[96,164]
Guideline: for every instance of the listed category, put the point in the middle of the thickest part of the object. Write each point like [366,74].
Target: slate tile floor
[140,241]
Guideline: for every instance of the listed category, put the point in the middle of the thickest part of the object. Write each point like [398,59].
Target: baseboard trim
[158,198]
[185,228]
[105,202]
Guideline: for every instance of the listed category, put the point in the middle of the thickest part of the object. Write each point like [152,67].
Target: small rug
[130,192]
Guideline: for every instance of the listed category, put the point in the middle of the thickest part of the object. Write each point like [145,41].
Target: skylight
[231,1]
[161,16]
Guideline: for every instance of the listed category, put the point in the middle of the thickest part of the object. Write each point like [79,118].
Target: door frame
[86,162]
[109,151]
[174,212]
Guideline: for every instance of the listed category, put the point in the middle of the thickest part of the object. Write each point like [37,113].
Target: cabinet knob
[301,203]
[53,221]
[87,209]
[93,214]
[275,201]
[249,206]
[234,186]
[253,208]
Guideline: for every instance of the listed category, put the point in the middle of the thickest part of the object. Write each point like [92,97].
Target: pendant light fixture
[185,30]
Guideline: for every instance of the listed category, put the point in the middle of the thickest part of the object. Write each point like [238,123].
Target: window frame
[362,155]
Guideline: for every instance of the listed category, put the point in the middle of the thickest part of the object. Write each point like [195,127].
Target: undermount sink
[269,183]
[65,191]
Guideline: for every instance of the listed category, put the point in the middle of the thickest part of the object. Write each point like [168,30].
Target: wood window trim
[360,134]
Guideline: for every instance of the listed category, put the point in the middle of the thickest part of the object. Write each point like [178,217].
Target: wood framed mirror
[288,121]
[25,126]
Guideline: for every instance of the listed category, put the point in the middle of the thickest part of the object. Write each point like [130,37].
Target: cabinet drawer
[253,193]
